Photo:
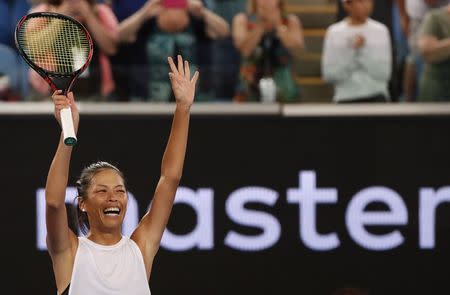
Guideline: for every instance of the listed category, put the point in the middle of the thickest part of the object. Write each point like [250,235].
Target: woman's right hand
[60,102]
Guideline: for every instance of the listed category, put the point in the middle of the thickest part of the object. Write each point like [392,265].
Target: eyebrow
[119,185]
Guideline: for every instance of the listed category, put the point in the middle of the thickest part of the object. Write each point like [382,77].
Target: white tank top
[108,270]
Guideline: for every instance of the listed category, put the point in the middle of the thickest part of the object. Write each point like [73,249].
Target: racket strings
[54,44]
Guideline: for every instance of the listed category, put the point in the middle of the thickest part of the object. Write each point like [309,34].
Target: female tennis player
[105,262]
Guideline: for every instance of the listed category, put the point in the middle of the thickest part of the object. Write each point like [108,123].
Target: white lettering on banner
[236,211]
[429,202]
[307,196]
[202,236]
[357,219]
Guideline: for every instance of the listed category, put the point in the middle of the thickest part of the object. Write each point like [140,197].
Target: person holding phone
[174,27]
[105,262]
[268,39]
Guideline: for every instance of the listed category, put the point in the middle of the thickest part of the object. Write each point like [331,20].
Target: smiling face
[106,201]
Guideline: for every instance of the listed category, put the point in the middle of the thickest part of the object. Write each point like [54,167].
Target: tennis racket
[59,48]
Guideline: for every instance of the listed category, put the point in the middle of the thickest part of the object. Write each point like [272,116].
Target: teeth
[113,210]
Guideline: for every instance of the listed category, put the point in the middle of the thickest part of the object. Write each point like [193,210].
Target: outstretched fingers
[187,70]
[195,78]
[180,65]
[173,68]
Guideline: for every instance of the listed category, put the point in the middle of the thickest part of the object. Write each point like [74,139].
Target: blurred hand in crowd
[358,42]
[196,8]
[153,8]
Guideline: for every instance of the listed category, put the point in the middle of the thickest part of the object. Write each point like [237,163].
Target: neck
[102,238]
[356,21]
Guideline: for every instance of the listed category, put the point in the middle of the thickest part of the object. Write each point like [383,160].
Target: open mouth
[112,211]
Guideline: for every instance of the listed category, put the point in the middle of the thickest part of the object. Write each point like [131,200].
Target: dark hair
[59,2]
[83,184]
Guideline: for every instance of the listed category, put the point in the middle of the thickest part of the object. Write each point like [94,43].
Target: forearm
[435,51]
[55,189]
[292,41]
[249,43]
[216,26]
[129,27]
[338,65]
[173,159]
[105,39]
[379,68]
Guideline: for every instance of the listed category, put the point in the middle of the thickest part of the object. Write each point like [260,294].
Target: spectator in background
[173,31]
[267,39]
[97,81]
[434,44]
[357,56]
[130,63]
[13,70]
[412,13]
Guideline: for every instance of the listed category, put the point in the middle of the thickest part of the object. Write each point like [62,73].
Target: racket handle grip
[70,138]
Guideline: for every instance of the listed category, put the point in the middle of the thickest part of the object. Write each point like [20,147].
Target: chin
[173,20]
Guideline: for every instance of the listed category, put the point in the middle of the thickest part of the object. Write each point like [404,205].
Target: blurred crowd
[246,50]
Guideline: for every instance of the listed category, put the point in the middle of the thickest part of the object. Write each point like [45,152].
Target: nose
[112,197]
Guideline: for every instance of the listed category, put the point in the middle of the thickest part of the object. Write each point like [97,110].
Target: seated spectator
[173,31]
[357,56]
[267,39]
[97,81]
[434,44]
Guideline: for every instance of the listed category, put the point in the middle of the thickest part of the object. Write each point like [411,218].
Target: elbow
[54,204]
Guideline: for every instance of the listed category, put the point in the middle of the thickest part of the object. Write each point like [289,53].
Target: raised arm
[129,27]
[61,241]
[101,23]
[246,40]
[150,230]
[216,26]
[291,35]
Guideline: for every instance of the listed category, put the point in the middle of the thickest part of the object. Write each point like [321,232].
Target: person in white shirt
[105,262]
[357,56]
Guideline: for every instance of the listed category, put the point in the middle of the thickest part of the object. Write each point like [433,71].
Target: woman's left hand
[182,85]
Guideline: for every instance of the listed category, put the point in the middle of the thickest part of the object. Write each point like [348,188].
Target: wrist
[183,107]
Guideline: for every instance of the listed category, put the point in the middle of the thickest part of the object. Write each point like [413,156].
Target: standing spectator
[357,56]
[13,70]
[434,44]
[130,63]
[97,81]
[174,31]
[412,13]
[267,39]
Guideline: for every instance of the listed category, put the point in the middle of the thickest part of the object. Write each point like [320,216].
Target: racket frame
[66,114]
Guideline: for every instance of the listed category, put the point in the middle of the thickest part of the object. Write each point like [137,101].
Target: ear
[81,204]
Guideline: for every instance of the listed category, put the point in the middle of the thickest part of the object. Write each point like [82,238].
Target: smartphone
[175,3]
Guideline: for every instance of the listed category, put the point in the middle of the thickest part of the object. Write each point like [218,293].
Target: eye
[101,191]
[121,191]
